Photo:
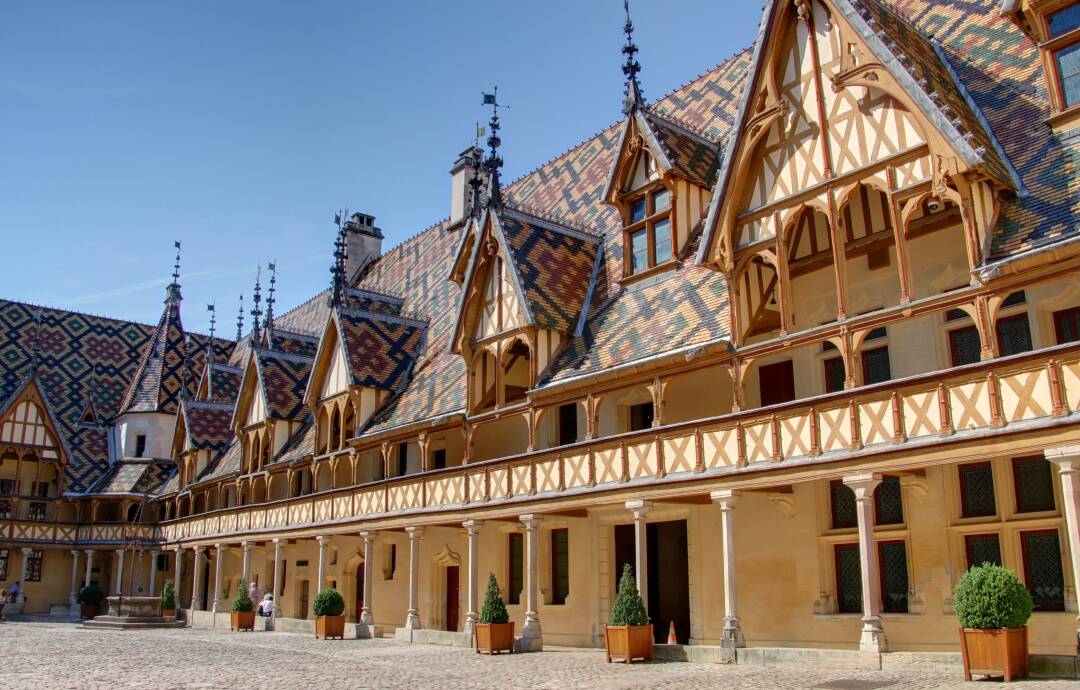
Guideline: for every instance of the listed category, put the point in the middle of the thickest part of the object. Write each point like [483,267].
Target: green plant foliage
[328,603]
[989,597]
[494,610]
[628,609]
[91,595]
[242,603]
[168,597]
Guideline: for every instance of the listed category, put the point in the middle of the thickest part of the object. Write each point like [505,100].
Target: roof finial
[630,69]
[240,320]
[256,311]
[337,269]
[272,266]
[210,351]
[477,156]
[493,162]
[173,290]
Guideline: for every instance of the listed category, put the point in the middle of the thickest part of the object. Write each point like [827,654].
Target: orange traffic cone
[671,634]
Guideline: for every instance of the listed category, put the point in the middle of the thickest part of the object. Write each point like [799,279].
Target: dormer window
[648,233]
[1063,46]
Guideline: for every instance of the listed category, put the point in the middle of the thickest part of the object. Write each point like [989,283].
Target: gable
[25,424]
[336,379]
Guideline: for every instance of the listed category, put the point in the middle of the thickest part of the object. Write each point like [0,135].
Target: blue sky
[238,128]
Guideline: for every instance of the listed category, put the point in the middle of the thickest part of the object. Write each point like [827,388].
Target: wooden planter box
[243,620]
[628,642]
[492,638]
[88,610]
[168,613]
[1000,652]
[330,626]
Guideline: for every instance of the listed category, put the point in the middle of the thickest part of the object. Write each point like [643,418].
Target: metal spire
[337,269]
[272,266]
[210,352]
[493,161]
[240,320]
[631,67]
[476,183]
[256,311]
[173,290]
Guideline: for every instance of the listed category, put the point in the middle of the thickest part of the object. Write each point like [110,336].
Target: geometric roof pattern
[380,349]
[163,371]
[283,378]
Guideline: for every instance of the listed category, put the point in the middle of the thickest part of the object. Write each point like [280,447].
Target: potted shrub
[168,600]
[243,609]
[90,598]
[494,632]
[629,635]
[993,607]
[329,608]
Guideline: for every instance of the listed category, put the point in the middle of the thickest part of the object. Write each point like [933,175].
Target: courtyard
[57,655]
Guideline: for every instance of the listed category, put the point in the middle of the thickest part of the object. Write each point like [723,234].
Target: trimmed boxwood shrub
[242,603]
[990,597]
[168,597]
[628,608]
[91,595]
[494,610]
[328,603]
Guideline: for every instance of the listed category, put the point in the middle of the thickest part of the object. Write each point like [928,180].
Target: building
[799,340]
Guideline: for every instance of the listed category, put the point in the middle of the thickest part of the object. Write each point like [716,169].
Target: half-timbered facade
[800,341]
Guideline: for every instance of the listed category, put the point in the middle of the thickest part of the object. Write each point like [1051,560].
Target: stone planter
[628,642]
[330,626]
[242,620]
[1002,651]
[492,638]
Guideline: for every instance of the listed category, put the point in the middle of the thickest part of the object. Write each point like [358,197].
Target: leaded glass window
[888,507]
[560,565]
[517,567]
[1067,323]
[33,566]
[977,490]
[982,548]
[894,576]
[876,365]
[834,375]
[964,346]
[1042,567]
[1014,335]
[843,505]
[848,578]
[1034,484]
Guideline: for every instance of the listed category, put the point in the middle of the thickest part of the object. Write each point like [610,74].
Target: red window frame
[1023,556]
[836,575]
[881,574]
[1016,484]
[1059,316]
[963,487]
[953,358]
[514,597]
[866,366]
[982,535]
[555,597]
[825,363]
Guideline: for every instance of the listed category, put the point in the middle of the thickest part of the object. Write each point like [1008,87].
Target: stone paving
[54,655]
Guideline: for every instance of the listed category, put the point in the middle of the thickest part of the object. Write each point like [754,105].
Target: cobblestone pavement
[52,655]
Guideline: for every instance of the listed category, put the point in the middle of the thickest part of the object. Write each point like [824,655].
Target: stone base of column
[412,621]
[532,638]
[196,604]
[217,606]
[732,635]
[365,616]
[873,636]
[469,628]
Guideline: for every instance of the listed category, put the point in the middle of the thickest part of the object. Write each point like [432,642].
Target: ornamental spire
[337,269]
[240,320]
[272,266]
[256,310]
[493,161]
[631,67]
[173,289]
[210,352]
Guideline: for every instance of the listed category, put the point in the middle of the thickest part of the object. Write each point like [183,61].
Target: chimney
[363,244]
[460,190]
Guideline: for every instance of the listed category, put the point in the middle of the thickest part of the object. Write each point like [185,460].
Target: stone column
[73,595]
[324,542]
[1068,466]
[472,531]
[732,635]
[873,633]
[532,638]
[246,572]
[219,558]
[366,616]
[89,567]
[178,579]
[277,577]
[153,573]
[641,548]
[119,571]
[412,622]
[196,580]
[20,600]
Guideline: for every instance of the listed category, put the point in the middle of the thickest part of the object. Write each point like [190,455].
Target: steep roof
[380,349]
[283,378]
[163,370]
[207,424]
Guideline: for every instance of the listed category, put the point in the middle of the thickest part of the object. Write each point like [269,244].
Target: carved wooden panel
[680,453]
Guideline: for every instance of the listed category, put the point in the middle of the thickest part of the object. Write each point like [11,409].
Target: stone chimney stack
[460,189]
[363,244]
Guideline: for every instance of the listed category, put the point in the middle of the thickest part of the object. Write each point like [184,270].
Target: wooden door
[777,383]
[452,597]
[359,591]
[305,602]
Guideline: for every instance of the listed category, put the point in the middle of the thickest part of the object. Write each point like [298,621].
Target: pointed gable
[26,419]
[161,375]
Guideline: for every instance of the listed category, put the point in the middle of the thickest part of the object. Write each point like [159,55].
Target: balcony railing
[996,396]
[72,533]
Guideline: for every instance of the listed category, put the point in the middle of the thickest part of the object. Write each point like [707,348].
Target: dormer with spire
[145,421]
[660,179]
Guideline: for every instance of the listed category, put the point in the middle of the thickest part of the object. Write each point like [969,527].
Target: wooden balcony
[42,531]
[981,400]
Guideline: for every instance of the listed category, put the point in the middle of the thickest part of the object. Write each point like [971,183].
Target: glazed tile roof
[281,340]
[224,383]
[207,424]
[224,463]
[690,154]
[380,349]
[300,444]
[553,267]
[283,378]
[135,477]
